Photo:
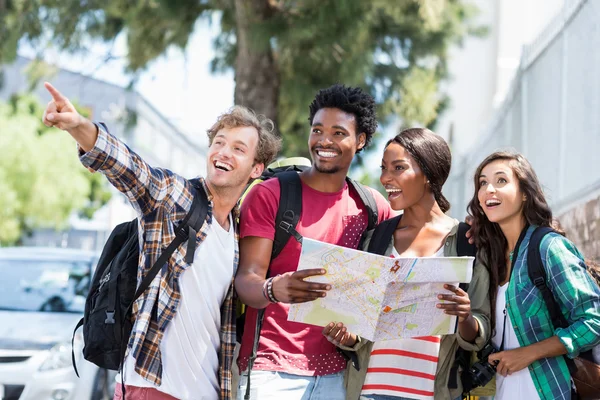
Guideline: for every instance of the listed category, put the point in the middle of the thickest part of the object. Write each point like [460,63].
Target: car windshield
[41,285]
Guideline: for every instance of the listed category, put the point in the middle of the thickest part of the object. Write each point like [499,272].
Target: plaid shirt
[579,300]
[161,199]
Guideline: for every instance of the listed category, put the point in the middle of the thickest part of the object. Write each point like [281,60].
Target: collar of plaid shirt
[157,306]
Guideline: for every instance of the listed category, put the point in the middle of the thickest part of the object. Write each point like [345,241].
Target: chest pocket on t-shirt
[354,226]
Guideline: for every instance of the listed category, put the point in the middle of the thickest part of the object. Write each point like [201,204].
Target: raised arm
[145,187]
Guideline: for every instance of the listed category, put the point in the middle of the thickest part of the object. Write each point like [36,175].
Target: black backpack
[288,215]
[107,320]
[537,274]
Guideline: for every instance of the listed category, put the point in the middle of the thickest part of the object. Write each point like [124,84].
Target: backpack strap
[463,247]
[368,200]
[537,274]
[195,216]
[382,235]
[288,212]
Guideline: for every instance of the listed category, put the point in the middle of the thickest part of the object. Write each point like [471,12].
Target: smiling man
[295,361]
[181,345]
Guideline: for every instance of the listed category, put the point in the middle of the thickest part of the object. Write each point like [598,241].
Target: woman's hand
[510,361]
[338,335]
[459,303]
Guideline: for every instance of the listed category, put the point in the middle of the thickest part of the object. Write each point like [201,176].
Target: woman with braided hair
[414,167]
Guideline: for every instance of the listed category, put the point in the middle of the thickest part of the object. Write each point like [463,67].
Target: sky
[179,83]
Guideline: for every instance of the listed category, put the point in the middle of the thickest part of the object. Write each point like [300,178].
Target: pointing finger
[56,95]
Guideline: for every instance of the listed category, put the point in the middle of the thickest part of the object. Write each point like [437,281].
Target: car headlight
[60,355]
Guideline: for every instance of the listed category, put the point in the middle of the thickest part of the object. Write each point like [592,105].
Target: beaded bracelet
[264,290]
[272,298]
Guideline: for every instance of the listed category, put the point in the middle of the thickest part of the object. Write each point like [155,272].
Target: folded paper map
[377,297]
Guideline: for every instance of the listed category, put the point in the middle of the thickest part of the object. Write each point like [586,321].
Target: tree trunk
[256,75]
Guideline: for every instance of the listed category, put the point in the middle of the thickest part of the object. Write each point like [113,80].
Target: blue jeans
[271,385]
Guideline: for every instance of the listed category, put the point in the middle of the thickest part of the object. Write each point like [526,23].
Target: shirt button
[447,243]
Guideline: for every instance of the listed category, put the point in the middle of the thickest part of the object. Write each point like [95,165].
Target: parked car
[42,297]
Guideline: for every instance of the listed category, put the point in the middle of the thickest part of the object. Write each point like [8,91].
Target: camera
[480,372]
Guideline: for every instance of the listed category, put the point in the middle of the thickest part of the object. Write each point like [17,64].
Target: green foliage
[395,49]
[41,179]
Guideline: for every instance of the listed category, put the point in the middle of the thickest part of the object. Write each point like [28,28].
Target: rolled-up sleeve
[577,294]
[145,187]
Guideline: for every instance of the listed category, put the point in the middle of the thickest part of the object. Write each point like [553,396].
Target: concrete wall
[582,225]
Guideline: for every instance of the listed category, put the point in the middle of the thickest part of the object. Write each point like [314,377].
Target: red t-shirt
[338,218]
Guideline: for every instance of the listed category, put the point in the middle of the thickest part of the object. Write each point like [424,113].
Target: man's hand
[291,287]
[60,112]
[459,303]
[337,334]
[511,361]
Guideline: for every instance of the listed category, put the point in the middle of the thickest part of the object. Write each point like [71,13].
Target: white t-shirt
[518,385]
[191,342]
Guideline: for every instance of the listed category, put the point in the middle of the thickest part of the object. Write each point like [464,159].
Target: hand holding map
[377,297]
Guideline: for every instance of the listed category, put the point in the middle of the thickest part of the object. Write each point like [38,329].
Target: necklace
[510,255]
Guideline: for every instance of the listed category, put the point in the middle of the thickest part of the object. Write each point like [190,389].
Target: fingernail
[323,294]
[440,297]
[50,117]
[328,287]
[438,305]
[322,271]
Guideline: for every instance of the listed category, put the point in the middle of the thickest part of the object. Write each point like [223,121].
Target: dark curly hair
[352,100]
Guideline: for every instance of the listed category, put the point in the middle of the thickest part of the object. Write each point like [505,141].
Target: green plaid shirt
[162,199]
[579,300]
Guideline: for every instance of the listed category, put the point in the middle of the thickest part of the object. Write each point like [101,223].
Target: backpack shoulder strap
[463,247]
[368,200]
[288,211]
[188,228]
[383,235]
[538,276]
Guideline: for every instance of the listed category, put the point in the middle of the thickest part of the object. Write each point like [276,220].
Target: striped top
[404,368]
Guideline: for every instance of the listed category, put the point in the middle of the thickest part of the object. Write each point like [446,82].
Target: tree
[282,51]
[41,180]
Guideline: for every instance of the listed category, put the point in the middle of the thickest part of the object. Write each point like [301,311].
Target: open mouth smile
[222,166]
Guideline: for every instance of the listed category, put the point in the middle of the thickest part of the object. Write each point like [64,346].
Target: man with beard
[182,342]
[295,361]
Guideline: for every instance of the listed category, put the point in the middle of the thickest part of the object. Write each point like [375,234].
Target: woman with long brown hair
[507,206]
